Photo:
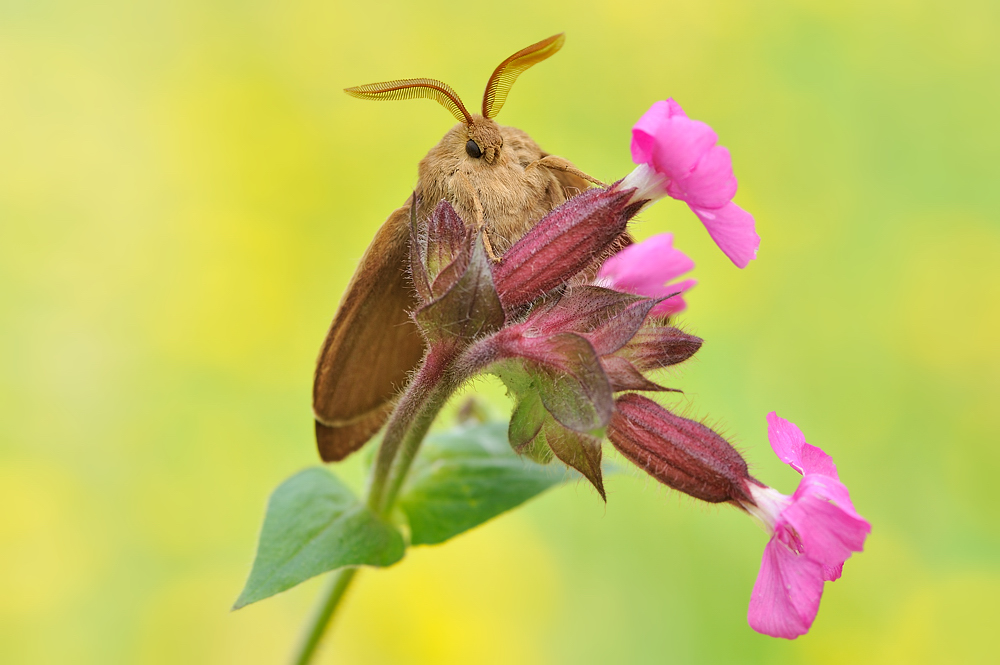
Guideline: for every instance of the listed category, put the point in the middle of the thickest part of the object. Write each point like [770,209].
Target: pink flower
[678,157]
[812,533]
[645,268]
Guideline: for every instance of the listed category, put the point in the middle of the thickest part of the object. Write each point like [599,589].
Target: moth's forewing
[371,346]
[336,443]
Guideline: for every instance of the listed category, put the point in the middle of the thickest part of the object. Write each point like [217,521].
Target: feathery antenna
[508,71]
[440,92]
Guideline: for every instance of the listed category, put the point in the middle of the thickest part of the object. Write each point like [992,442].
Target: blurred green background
[184,193]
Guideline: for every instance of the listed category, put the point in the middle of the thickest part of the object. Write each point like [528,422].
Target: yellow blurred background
[184,193]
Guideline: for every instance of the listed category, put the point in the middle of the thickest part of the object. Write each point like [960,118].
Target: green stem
[411,443]
[324,613]
[410,420]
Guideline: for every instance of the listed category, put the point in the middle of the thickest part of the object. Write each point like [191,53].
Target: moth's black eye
[472,148]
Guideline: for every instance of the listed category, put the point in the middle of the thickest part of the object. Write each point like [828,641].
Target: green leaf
[467,476]
[315,524]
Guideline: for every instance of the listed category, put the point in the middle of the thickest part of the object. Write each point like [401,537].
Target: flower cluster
[575,353]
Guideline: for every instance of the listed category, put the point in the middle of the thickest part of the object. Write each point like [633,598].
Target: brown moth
[495,177]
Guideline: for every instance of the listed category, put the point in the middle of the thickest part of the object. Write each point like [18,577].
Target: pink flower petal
[828,533]
[647,264]
[789,444]
[711,184]
[814,532]
[829,488]
[786,595]
[732,229]
[832,574]
[688,166]
[815,460]
[674,109]
[645,129]
[645,267]
[679,145]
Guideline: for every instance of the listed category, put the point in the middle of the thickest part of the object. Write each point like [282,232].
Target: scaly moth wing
[371,347]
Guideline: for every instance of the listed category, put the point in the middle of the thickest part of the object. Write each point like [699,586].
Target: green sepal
[526,420]
[571,383]
[577,450]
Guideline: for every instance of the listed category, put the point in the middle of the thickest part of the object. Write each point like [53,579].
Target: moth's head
[484,139]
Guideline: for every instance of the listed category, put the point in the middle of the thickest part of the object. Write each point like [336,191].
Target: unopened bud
[680,453]
[468,308]
[440,249]
[656,345]
[565,242]
[607,319]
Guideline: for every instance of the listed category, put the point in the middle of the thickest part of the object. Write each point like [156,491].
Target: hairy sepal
[577,450]
[681,453]
[658,344]
[470,306]
[563,370]
[526,420]
[440,250]
[607,319]
[624,376]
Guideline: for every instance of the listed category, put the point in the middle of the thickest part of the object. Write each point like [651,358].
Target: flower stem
[324,613]
[410,420]
[419,405]
[411,442]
